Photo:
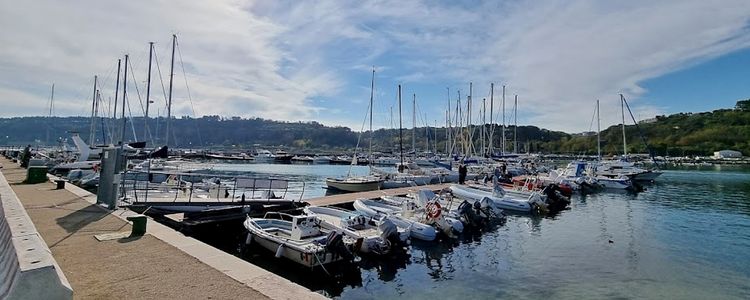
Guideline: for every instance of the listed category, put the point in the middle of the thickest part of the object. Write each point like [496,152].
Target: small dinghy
[380,237]
[533,203]
[302,240]
[470,212]
[429,213]
[374,209]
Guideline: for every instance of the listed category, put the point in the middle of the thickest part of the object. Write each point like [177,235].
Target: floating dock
[350,197]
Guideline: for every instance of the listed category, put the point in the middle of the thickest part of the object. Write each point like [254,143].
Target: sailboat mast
[400,128]
[484,123]
[414,124]
[448,124]
[169,100]
[503,152]
[624,141]
[124,93]
[92,128]
[492,118]
[460,123]
[515,125]
[598,133]
[470,143]
[447,132]
[114,112]
[148,87]
[51,103]
[426,134]
[372,95]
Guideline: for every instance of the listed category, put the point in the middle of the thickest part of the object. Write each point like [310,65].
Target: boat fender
[279,251]
[433,210]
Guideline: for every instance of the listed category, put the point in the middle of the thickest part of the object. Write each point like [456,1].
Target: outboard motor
[335,245]
[471,214]
[555,199]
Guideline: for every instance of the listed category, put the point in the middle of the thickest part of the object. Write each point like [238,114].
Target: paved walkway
[140,268]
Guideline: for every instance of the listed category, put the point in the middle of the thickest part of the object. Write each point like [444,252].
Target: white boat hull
[506,203]
[416,230]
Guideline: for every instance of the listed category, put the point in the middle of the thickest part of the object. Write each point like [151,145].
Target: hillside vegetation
[675,135]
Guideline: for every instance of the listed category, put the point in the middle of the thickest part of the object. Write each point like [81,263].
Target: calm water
[687,236]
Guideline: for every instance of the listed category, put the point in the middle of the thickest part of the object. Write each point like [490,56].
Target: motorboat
[615,183]
[379,236]
[617,168]
[355,183]
[416,229]
[302,159]
[302,239]
[430,213]
[469,212]
[534,203]
[321,160]
[282,156]
[264,156]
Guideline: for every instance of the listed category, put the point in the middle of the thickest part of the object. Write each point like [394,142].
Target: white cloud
[294,60]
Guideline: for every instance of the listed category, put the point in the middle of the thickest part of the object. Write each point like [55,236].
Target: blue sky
[312,60]
[711,85]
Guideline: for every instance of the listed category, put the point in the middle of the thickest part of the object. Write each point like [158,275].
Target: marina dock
[350,197]
[161,264]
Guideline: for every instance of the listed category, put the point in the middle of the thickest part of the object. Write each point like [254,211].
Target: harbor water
[686,236]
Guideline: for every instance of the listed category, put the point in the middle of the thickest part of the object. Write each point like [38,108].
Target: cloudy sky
[312,60]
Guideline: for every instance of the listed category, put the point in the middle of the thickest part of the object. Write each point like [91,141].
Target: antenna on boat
[624,141]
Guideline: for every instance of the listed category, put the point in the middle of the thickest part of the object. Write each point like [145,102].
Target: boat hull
[647,176]
[505,203]
[308,259]
[354,186]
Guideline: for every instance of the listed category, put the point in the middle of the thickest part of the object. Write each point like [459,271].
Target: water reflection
[686,235]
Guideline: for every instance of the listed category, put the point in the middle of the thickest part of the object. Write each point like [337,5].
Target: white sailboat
[358,183]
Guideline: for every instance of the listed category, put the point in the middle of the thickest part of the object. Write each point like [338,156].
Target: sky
[313,60]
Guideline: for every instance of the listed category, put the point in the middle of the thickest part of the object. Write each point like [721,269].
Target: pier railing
[139,187]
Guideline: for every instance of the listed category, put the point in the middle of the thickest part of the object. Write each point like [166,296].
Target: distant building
[585,133]
[647,121]
[727,154]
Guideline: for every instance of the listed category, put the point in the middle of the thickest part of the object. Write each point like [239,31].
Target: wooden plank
[350,197]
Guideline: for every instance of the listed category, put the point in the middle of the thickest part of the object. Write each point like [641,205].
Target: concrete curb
[265,282]
[27,268]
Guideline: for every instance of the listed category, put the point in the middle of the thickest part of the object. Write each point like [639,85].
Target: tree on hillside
[743,105]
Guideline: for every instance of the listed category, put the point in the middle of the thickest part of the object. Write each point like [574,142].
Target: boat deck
[350,197]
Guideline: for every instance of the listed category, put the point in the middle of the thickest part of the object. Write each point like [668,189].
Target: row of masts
[462,135]
[96,100]
[460,129]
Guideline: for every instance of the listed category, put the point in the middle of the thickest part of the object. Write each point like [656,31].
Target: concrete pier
[161,264]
